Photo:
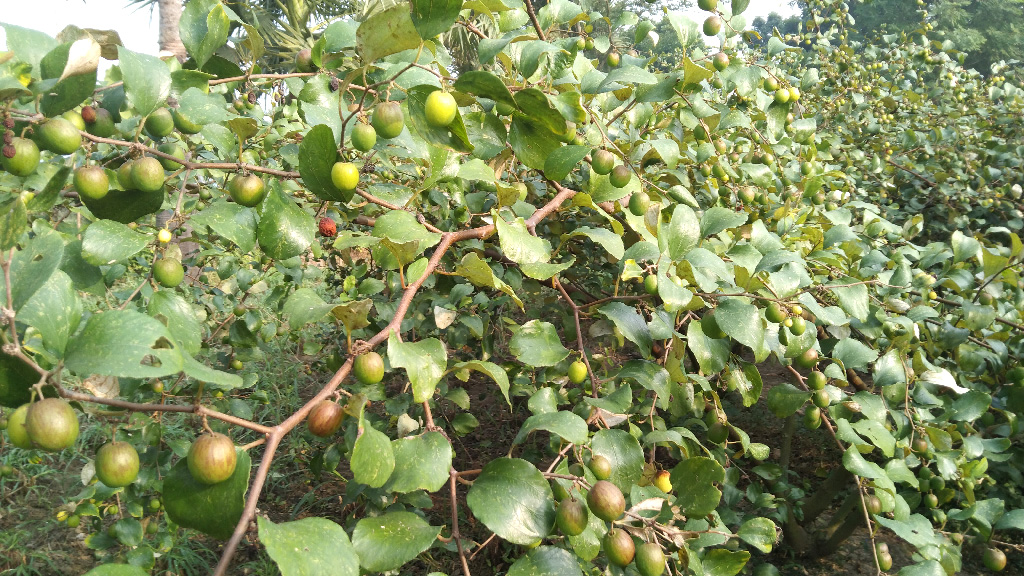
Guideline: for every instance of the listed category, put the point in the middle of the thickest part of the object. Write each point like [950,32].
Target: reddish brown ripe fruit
[89,114]
[327,227]
[325,418]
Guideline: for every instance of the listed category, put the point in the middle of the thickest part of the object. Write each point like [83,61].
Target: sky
[138,27]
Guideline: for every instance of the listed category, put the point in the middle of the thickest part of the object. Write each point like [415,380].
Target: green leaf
[372,459]
[32,267]
[386,32]
[212,509]
[563,160]
[749,383]
[485,85]
[124,343]
[29,46]
[387,542]
[452,136]
[785,399]
[317,155]
[73,65]
[536,344]
[532,141]
[631,324]
[694,480]
[513,500]
[230,220]
[717,219]
[854,462]
[889,370]
[177,314]
[476,169]
[305,306]
[608,240]
[117,570]
[108,242]
[125,205]
[741,321]
[719,562]
[214,379]
[759,533]
[401,227]
[309,547]
[147,80]
[203,29]
[546,561]
[13,222]
[421,463]
[565,424]
[424,362]
[681,234]
[530,252]
[16,380]
[494,371]
[711,353]
[432,17]
[480,274]
[285,230]
[852,299]
[625,451]
[853,354]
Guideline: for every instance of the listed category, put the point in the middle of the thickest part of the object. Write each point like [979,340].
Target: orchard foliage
[617,250]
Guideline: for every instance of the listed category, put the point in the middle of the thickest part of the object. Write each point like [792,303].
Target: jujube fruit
[620,176]
[388,119]
[304,60]
[168,272]
[571,517]
[364,137]
[247,190]
[345,176]
[174,150]
[994,559]
[148,174]
[160,123]
[58,135]
[577,372]
[606,501]
[91,182]
[212,458]
[52,424]
[602,162]
[117,464]
[16,428]
[98,122]
[368,368]
[618,547]
[440,109]
[601,466]
[25,158]
[638,203]
[325,418]
[184,125]
[650,559]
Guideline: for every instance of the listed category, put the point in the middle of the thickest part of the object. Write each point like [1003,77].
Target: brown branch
[533,18]
[456,535]
[380,202]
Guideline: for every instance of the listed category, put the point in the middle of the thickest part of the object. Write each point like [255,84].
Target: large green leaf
[512,498]
[372,458]
[387,542]
[203,29]
[785,399]
[711,353]
[230,220]
[695,480]
[147,80]
[624,451]
[16,380]
[632,326]
[484,84]
[175,312]
[432,17]
[563,160]
[125,206]
[424,362]
[32,267]
[536,343]
[317,155]
[721,562]
[680,234]
[421,463]
[74,67]
[759,533]
[492,370]
[285,230]
[741,321]
[309,547]
[124,343]
[54,310]
[213,509]
[385,33]
[565,424]
[108,242]
[476,270]
[546,561]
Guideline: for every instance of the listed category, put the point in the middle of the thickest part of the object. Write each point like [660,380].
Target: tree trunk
[170,42]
